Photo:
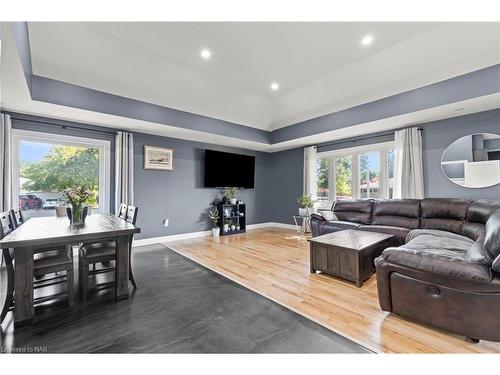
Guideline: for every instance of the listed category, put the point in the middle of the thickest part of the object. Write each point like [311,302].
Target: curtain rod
[348,140]
[65,126]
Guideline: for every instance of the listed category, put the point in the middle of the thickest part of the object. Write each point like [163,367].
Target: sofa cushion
[477,215]
[398,213]
[357,211]
[399,232]
[443,262]
[443,214]
[433,235]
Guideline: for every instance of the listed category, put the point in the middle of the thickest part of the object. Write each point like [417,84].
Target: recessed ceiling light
[367,40]
[205,53]
[275,86]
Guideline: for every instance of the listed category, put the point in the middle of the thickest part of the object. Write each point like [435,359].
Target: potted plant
[305,203]
[213,215]
[226,224]
[78,198]
[233,226]
[230,194]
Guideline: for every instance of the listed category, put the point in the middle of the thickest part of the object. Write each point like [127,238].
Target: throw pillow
[329,215]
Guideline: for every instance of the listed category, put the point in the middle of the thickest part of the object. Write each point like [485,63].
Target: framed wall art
[159,158]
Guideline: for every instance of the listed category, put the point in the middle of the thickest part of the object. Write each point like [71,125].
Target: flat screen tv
[223,169]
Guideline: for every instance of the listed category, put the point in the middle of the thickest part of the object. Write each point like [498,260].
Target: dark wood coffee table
[348,254]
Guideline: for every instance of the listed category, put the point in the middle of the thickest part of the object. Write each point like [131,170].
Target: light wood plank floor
[275,264]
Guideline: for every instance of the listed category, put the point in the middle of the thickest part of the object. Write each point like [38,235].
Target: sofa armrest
[383,284]
[317,217]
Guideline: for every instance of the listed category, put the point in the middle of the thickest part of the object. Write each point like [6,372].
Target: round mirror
[473,161]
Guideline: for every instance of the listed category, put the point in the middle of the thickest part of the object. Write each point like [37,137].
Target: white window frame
[104,147]
[355,153]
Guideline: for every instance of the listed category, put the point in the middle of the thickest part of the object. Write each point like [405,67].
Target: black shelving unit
[236,214]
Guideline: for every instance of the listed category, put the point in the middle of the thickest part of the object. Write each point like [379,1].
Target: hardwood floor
[274,263]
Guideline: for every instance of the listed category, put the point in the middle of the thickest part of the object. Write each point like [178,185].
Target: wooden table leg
[23,307]
[122,267]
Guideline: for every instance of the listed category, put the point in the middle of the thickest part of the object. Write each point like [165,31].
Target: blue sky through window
[32,151]
[374,161]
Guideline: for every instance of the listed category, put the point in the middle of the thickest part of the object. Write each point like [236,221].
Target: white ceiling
[16,97]
[321,67]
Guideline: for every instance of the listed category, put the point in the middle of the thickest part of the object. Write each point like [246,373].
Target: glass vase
[77,216]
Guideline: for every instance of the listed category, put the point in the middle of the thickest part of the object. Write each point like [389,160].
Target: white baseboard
[185,236]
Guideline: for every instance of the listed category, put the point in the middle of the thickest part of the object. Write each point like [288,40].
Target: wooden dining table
[42,232]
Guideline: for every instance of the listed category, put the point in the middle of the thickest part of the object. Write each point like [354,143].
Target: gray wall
[285,184]
[437,136]
[180,196]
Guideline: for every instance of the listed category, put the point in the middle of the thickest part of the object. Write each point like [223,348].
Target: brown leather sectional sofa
[445,271]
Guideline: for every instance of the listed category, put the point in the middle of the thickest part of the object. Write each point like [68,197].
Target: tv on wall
[223,169]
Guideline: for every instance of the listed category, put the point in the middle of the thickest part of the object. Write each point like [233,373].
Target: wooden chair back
[17,216]
[122,213]
[6,223]
[6,227]
[132,214]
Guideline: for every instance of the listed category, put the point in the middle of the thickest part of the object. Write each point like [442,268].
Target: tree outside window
[45,177]
[343,177]
[323,191]
[360,172]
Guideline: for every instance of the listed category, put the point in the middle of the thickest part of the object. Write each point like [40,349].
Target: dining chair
[132,219]
[18,217]
[45,261]
[122,213]
[104,252]
[6,227]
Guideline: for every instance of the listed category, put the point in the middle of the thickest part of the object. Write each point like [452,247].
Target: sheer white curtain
[310,185]
[124,164]
[5,162]
[408,171]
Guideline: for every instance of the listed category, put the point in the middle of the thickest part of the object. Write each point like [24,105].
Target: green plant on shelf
[230,193]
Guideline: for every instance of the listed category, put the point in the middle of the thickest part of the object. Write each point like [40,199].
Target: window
[359,172]
[44,165]
[323,182]
[390,171]
[369,175]
[343,177]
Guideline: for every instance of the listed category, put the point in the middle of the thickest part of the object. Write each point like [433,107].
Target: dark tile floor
[179,307]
